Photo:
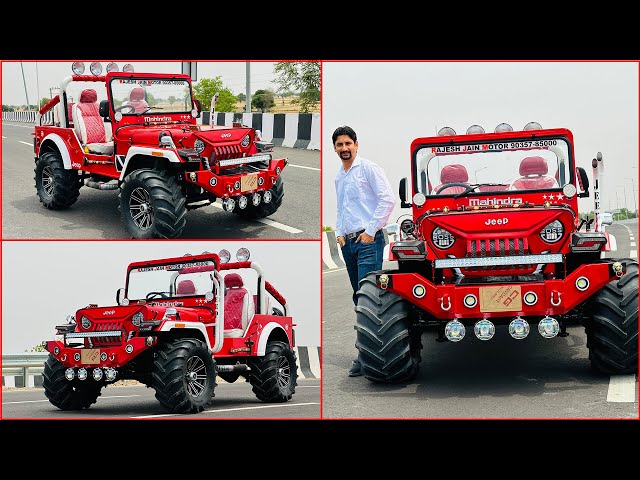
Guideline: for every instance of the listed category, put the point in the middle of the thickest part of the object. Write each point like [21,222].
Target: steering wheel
[151,295]
[469,188]
[122,107]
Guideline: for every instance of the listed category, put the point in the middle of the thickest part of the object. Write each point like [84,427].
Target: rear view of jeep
[495,245]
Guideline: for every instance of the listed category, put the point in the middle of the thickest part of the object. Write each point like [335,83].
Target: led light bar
[497,261]
[252,159]
[115,333]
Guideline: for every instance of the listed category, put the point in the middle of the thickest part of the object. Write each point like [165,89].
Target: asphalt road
[231,401]
[499,379]
[95,215]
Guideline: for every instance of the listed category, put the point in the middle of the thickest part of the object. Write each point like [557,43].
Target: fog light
[255,199]
[56,350]
[548,327]
[519,328]
[484,329]
[454,331]
[266,198]
[76,357]
[470,301]
[236,185]
[110,374]
[419,291]
[129,348]
[530,298]
[582,283]
[229,204]
[97,374]
[103,356]
[242,202]
[82,373]
[69,374]
[260,181]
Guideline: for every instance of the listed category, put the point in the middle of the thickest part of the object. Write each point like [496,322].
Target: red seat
[89,126]
[186,287]
[136,100]
[238,306]
[450,174]
[533,172]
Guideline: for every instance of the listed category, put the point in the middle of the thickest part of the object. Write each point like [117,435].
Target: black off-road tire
[56,187]
[64,394]
[388,352]
[612,328]
[274,377]
[158,192]
[264,209]
[174,376]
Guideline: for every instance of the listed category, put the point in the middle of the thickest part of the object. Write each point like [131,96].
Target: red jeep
[496,244]
[137,132]
[177,324]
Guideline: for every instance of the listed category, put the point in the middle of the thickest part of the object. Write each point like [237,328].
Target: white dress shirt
[365,198]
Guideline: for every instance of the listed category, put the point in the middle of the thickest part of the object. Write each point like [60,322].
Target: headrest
[136,94]
[186,287]
[232,280]
[453,173]
[533,166]
[88,96]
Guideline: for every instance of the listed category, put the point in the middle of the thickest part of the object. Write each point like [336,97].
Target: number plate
[500,299]
[249,182]
[90,356]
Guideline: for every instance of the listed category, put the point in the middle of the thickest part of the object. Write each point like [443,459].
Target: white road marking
[633,254]
[633,244]
[26,143]
[307,386]
[300,166]
[4,136]
[622,388]
[266,221]
[334,270]
[45,400]
[22,126]
[235,409]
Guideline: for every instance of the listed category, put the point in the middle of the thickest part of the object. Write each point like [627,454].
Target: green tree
[172,100]
[241,97]
[207,87]
[263,100]
[43,102]
[303,77]
[6,108]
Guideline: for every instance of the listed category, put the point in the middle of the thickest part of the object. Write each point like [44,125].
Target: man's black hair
[345,130]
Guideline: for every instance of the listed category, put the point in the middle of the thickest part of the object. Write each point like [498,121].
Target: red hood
[184,135]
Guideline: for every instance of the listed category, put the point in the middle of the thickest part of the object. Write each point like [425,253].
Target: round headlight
[474,129]
[569,190]
[194,113]
[224,255]
[97,374]
[553,232]
[266,197]
[242,202]
[125,301]
[532,126]
[96,68]
[128,68]
[208,296]
[77,68]
[198,145]
[69,374]
[112,67]
[446,132]
[442,239]
[243,254]
[419,199]
[86,323]
[82,373]
[245,141]
[454,331]
[419,291]
[137,319]
[503,127]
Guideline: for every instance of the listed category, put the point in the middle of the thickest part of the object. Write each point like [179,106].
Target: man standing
[365,202]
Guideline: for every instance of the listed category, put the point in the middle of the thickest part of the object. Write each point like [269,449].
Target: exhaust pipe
[238,367]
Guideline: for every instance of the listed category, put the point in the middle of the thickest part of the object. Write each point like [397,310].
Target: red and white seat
[239,306]
[449,174]
[186,287]
[137,101]
[91,130]
[533,173]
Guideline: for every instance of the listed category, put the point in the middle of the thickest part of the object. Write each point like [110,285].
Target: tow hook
[442,300]
[554,303]
[617,268]
[384,281]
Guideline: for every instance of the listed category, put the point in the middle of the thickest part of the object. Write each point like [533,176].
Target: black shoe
[355,370]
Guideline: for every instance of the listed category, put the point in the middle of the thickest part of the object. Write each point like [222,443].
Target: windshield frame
[136,79]
[515,137]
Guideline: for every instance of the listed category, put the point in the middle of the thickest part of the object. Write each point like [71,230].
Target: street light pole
[633,190]
[626,210]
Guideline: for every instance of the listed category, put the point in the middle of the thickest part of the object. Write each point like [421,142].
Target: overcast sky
[43,281]
[389,104]
[51,73]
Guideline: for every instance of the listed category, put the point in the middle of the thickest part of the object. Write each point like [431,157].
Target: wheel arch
[271,332]
[142,158]
[170,332]
[54,143]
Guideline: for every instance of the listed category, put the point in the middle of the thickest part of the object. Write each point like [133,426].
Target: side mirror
[104,108]
[583,182]
[403,193]
[119,295]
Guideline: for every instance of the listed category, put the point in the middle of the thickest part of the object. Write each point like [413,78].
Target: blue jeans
[362,258]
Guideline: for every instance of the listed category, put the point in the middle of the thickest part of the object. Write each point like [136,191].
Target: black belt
[354,235]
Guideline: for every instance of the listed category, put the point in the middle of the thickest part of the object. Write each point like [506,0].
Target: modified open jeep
[137,132]
[496,244]
[177,324]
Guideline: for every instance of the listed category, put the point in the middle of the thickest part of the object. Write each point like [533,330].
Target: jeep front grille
[497,247]
[227,151]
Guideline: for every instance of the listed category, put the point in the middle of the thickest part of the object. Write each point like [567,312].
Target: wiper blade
[466,192]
